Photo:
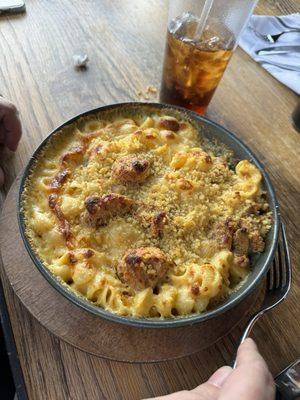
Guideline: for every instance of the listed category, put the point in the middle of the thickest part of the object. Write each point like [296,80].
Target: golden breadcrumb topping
[141,217]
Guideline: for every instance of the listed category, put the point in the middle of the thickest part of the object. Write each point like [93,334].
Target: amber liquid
[193,69]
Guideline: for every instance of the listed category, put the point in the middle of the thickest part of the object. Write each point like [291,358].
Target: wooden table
[124,40]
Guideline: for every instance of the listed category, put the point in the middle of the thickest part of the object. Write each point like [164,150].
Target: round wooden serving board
[91,333]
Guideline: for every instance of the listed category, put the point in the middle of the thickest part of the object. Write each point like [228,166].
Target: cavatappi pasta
[135,216]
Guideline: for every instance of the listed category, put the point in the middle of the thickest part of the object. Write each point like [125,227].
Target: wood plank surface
[124,40]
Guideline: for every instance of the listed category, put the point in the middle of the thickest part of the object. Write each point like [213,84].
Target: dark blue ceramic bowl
[207,129]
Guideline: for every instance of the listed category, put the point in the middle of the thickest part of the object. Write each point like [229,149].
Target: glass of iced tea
[201,37]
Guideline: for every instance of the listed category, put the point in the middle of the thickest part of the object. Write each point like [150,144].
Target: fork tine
[277,269]
[283,23]
[287,261]
[280,267]
[269,279]
[271,275]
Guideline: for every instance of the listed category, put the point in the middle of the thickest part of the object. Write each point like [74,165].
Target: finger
[248,353]
[11,126]
[251,379]
[182,395]
[1,177]
[206,391]
[220,376]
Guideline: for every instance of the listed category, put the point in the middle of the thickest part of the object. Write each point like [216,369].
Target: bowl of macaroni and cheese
[148,215]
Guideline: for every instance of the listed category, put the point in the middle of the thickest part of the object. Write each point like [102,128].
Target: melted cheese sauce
[196,189]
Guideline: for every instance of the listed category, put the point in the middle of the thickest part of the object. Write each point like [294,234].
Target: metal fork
[272,38]
[278,283]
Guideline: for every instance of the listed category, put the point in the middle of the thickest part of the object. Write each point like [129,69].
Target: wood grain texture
[124,41]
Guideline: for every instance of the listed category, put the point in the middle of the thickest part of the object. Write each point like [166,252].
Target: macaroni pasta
[140,217]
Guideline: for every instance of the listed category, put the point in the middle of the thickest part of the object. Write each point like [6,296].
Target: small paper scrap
[80,60]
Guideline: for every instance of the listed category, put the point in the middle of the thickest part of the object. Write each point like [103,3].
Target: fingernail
[220,376]
[250,342]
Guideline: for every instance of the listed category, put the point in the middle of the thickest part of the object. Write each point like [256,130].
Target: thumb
[210,390]
[220,376]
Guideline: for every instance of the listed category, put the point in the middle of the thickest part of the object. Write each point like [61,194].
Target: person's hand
[250,380]
[10,128]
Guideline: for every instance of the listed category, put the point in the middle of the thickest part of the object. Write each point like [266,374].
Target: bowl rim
[83,303]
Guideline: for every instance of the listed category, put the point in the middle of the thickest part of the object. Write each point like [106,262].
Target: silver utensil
[288,382]
[278,50]
[272,38]
[283,23]
[278,283]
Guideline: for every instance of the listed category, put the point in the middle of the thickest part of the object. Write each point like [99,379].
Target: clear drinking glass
[201,37]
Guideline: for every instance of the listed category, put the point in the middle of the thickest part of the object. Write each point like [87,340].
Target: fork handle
[250,325]
[248,329]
